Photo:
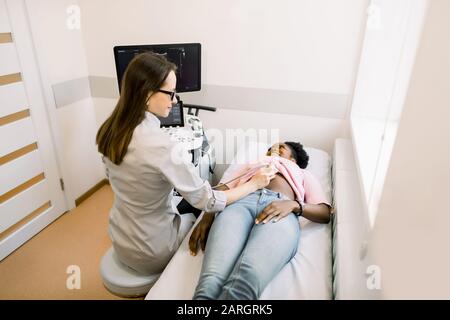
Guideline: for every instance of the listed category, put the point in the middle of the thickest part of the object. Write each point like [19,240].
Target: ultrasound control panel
[184,135]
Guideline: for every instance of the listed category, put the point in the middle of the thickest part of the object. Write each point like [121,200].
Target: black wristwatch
[299,211]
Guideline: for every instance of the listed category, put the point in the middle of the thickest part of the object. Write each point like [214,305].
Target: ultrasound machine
[186,128]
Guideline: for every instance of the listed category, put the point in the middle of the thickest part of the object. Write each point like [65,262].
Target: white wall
[61,57]
[287,127]
[411,234]
[304,46]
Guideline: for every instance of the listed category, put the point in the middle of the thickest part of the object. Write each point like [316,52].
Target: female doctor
[139,157]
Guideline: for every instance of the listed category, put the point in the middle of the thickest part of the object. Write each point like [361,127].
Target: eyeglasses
[172,94]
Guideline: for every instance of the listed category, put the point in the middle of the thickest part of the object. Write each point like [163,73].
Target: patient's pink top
[305,186]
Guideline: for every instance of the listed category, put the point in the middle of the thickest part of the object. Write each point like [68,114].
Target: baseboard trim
[90,192]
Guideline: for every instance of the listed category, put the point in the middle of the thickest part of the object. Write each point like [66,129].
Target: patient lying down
[252,239]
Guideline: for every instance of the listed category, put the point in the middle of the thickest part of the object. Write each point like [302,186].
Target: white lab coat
[144,224]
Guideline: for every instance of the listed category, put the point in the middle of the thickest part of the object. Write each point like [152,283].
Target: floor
[38,269]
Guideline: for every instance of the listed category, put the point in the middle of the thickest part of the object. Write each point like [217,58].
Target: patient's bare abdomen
[279,184]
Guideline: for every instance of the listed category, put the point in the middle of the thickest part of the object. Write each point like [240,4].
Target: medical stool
[121,279]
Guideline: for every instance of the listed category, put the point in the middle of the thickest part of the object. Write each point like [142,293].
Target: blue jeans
[241,257]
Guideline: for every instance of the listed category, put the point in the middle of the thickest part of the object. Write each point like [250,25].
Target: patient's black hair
[298,153]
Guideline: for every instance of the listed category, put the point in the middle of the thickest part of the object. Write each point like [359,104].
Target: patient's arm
[279,209]
[320,213]
[200,233]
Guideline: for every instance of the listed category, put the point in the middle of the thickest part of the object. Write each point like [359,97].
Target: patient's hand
[200,233]
[276,211]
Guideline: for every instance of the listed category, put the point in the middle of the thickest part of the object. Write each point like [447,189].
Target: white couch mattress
[307,276]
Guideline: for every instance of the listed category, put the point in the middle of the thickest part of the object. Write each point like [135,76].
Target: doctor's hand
[262,178]
[200,233]
[276,210]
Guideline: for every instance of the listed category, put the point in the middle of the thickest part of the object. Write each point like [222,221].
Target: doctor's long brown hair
[146,73]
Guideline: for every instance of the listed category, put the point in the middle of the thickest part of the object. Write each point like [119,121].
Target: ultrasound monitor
[186,56]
